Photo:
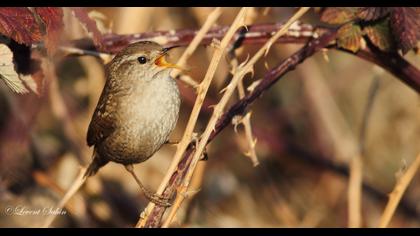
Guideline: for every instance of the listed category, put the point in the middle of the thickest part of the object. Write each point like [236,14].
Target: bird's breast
[146,118]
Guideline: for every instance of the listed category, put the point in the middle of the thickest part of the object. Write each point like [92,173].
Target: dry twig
[396,194]
[242,70]
[260,33]
[340,135]
[182,61]
[79,181]
[246,120]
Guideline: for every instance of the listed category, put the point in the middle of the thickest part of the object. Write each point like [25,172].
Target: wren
[137,110]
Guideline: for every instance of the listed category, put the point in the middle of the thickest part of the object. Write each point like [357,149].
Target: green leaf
[349,37]
[338,15]
[380,35]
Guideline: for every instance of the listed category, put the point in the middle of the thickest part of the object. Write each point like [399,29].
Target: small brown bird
[137,110]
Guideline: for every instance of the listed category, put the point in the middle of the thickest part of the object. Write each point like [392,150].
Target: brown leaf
[8,72]
[380,35]
[405,26]
[89,25]
[372,13]
[35,81]
[338,15]
[53,20]
[28,66]
[19,24]
[349,37]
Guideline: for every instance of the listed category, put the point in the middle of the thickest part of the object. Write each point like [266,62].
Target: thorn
[205,156]
[251,70]
[254,84]
[236,120]
[266,65]
[255,163]
[248,115]
[268,49]
[191,193]
[254,142]
[224,89]
[244,62]
[325,55]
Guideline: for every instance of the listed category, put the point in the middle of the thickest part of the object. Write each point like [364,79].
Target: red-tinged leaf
[380,35]
[338,15]
[372,13]
[89,24]
[19,24]
[349,37]
[405,24]
[53,20]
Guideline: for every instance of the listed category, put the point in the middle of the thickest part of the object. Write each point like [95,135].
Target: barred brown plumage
[137,110]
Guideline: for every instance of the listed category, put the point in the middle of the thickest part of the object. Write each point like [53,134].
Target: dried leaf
[8,72]
[405,26]
[89,25]
[380,35]
[19,24]
[53,20]
[35,80]
[338,15]
[372,13]
[349,37]
[102,22]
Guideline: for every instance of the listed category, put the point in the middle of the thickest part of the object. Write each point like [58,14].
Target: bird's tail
[95,165]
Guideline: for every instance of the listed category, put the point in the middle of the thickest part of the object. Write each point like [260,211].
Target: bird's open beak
[161,61]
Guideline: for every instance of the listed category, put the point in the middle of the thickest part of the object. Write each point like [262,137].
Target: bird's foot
[156,199]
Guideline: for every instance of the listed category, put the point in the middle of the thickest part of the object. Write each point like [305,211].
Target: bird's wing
[103,120]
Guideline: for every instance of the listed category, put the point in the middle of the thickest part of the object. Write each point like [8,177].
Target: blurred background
[305,126]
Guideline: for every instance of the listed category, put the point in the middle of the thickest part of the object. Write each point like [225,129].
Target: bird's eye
[142,60]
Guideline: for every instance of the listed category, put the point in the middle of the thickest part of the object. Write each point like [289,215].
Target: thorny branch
[239,108]
[245,120]
[259,34]
[242,70]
